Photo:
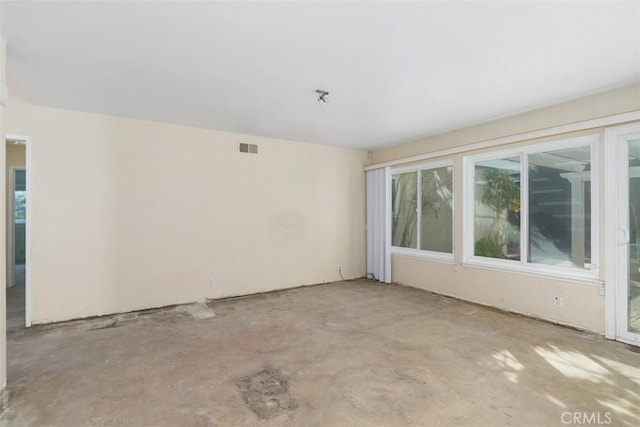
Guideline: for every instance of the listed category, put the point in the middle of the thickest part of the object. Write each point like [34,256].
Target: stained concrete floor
[347,354]
[634,308]
[15,298]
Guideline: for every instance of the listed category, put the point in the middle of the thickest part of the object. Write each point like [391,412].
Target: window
[532,208]
[436,231]
[404,199]
[497,208]
[560,207]
[422,210]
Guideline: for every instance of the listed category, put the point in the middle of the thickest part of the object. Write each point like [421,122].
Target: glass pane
[437,213]
[20,205]
[404,200]
[497,208]
[20,194]
[19,231]
[560,207]
[634,232]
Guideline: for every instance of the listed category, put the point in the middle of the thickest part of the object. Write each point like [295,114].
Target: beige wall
[128,214]
[16,156]
[604,104]
[533,296]
[584,307]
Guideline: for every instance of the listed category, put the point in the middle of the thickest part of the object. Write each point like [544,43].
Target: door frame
[11,230]
[615,250]
[26,141]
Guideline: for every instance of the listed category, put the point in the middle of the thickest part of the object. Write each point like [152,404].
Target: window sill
[427,255]
[586,277]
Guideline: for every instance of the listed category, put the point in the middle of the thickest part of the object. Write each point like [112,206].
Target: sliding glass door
[627,287]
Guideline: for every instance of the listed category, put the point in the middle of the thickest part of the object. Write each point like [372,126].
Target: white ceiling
[395,71]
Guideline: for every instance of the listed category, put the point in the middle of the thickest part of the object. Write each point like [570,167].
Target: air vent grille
[248,148]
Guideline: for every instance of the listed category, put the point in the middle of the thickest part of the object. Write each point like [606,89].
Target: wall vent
[248,148]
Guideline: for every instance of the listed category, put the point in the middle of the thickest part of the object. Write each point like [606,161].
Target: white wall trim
[541,133]
[423,166]
[27,287]
[610,217]
[444,257]
[534,270]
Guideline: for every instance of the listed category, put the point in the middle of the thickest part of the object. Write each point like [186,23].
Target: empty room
[306,213]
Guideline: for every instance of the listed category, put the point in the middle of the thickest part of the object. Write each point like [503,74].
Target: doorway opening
[17,230]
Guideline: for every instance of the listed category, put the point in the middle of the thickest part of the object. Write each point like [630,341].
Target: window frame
[590,276]
[423,253]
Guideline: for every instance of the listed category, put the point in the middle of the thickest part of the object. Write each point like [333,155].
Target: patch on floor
[199,311]
[107,325]
[267,393]
[195,311]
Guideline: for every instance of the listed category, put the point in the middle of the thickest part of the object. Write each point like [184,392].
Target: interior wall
[16,156]
[130,214]
[617,101]
[584,305]
[519,293]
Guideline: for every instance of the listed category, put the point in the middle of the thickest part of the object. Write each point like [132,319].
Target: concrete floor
[16,299]
[343,354]
[634,308]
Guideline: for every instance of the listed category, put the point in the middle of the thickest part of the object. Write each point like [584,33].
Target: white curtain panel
[378,225]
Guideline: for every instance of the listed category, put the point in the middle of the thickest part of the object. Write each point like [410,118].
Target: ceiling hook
[322,95]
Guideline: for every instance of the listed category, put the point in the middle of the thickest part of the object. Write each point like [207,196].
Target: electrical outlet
[558,301]
[212,281]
